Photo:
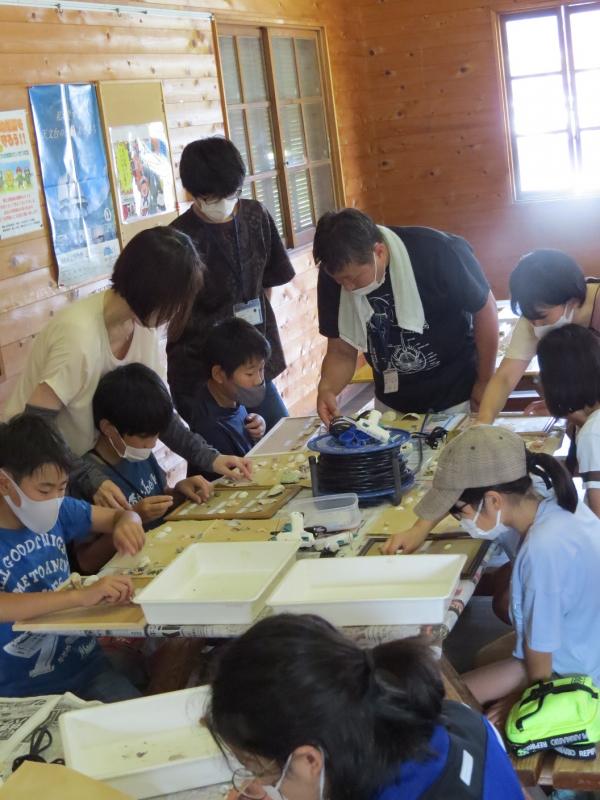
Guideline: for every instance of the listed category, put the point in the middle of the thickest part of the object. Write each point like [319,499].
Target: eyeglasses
[39,742]
[249,784]
[210,200]
[457,511]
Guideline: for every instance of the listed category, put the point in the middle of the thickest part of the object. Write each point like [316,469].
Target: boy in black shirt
[415,301]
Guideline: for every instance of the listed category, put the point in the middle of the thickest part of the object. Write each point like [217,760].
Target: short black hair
[545,278]
[231,344]
[212,167]
[28,442]
[133,399]
[159,272]
[343,238]
[569,359]
[368,711]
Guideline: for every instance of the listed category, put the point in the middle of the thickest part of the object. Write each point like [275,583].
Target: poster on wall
[75,179]
[142,167]
[20,210]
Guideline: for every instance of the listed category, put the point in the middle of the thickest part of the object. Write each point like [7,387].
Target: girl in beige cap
[484,479]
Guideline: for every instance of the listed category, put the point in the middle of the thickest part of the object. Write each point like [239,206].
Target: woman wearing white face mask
[311,716]
[548,289]
[484,477]
[244,258]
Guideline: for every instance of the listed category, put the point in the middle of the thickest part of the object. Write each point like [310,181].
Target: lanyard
[236,268]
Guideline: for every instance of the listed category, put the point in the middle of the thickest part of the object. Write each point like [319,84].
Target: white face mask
[540,331]
[40,516]
[275,793]
[131,453]
[218,211]
[470,526]
[375,284]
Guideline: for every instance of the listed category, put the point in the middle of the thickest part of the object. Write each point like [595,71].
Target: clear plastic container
[337,512]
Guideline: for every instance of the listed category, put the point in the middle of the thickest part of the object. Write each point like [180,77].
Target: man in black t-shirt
[415,300]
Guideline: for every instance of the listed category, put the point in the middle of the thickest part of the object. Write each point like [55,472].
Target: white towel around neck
[355,311]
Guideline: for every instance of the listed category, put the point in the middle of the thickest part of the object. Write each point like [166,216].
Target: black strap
[468,741]
[542,690]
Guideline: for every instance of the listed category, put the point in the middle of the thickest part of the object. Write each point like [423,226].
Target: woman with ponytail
[311,716]
[492,484]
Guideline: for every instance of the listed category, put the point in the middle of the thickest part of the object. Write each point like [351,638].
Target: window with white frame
[277,116]
[552,70]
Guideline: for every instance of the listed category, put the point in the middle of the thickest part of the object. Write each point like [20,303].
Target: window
[552,71]
[277,117]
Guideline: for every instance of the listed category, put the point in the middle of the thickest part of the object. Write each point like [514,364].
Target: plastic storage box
[337,512]
[216,583]
[387,590]
[146,747]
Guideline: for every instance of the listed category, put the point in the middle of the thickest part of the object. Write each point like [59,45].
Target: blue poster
[75,178]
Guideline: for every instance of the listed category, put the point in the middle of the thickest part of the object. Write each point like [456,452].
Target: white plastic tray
[215,583]
[147,747]
[388,590]
[337,512]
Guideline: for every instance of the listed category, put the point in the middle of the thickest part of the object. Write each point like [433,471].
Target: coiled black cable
[356,472]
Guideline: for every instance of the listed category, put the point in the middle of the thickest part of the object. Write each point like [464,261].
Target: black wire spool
[372,475]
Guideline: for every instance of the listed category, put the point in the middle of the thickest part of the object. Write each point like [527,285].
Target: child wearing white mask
[244,258]
[549,290]
[484,479]
[310,716]
[132,408]
[37,524]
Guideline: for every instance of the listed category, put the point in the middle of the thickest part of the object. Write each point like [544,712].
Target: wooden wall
[47,46]
[440,143]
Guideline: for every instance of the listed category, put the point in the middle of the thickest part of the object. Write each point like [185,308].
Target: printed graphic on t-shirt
[48,573]
[28,645]
[393,347]
[148,487]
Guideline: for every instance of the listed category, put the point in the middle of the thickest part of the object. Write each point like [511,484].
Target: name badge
[390,381]
[250,312]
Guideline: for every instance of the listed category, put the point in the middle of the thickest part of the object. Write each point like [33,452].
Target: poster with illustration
[142,165]
[20,210]
[75,179]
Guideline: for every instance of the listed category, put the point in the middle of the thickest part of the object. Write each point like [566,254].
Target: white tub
[146,747]
[387,590]
[214,583]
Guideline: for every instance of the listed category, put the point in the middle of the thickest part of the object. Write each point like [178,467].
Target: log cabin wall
[439,135]
[47,46]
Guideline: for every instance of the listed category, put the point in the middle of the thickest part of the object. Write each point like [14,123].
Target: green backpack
[561,714]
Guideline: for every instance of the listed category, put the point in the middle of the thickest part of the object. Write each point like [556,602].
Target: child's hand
[408,541]
[128,534]
[110,496]
[256,426]
[195,488]
[113,590]
[233,467]
[151,508]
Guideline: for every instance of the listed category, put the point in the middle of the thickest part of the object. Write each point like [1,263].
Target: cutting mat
[399,518]
[250,503]
[243,530]
[268,470]
[290,435]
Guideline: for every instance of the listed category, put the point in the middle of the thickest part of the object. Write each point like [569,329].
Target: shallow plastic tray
[337,512]
[389,590]
[216,583]
[146,747]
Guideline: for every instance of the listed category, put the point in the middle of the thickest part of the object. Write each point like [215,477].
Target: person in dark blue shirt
[233,358]
[132,407]
[310,715]
[37,523]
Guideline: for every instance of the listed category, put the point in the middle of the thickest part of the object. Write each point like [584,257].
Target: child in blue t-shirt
[233,356]
[132,407]
[37,523]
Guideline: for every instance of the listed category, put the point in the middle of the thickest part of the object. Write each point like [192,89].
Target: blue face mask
[252,397]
